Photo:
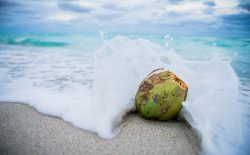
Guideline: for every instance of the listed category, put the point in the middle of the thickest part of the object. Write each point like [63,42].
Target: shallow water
[91,81]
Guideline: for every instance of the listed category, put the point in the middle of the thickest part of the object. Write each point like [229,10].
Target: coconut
[160,95]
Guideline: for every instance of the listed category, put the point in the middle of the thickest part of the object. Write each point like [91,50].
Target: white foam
[93,92]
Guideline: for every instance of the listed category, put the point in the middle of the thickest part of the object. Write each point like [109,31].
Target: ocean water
[90,80]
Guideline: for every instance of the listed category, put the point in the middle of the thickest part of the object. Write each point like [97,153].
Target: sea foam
[93,91]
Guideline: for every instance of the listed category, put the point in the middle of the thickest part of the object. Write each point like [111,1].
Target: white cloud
[226,3]
[186,7]
[63,17]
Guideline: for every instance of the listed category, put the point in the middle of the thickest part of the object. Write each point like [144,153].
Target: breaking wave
[94,90]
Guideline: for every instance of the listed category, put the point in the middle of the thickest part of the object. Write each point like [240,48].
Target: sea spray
[213,106]
[119,66]
[93,91]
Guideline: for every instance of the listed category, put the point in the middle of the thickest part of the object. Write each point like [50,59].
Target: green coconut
[160,95]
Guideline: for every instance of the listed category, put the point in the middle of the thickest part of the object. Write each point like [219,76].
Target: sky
[175,17]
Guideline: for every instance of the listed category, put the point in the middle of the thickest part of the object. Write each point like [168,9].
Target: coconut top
[159,76]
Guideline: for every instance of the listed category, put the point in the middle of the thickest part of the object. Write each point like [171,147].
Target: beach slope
[25,131]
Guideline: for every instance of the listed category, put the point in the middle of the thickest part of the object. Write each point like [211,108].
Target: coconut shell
[160,95]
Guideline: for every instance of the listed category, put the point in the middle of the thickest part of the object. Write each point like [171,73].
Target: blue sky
[175,17]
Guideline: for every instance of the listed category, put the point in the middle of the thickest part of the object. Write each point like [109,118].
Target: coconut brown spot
[145,86]
[156,79]
[144,98]
[149,83]
[165,96]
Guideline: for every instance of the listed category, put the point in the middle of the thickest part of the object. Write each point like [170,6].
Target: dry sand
[24,131]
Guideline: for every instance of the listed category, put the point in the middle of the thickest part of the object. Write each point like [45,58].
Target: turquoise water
[196,48]
[67,68]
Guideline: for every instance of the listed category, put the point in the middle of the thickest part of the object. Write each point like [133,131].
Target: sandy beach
[23,130]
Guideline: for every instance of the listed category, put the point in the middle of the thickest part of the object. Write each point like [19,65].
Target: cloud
[186,7]
[175,1]
[108,16]
[4,3]
[245,6]
[122,6]
[72,6]
[209,3]
[130,15]
[112,6]
[64,17]
[208,10]
[239,19]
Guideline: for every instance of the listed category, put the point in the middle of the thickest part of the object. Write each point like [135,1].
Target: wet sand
[24,131]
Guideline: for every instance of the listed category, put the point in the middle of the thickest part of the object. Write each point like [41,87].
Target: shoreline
[24,130]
